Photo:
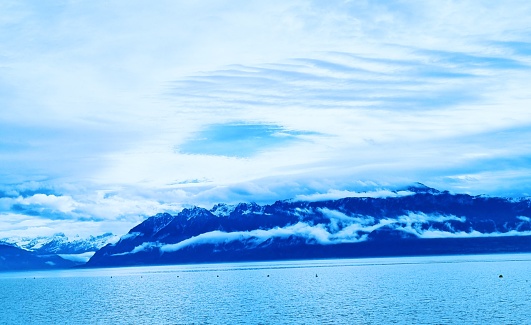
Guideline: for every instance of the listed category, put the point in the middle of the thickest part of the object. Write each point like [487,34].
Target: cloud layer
[339,230]
[111,113]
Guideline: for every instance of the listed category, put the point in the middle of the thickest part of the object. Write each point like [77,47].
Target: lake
[407,290]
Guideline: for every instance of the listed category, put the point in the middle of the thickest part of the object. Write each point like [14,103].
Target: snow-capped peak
[222,210]
[60,243]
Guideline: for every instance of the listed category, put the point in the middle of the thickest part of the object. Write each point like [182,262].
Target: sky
[114,111]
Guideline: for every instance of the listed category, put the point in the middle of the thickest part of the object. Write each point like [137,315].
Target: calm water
[420,290]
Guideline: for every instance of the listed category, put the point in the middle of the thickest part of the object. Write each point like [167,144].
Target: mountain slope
[420,220]
[13,258]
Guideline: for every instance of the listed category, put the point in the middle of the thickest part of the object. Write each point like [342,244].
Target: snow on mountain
[28,243]
[61,244]
[419,220]
[222,210]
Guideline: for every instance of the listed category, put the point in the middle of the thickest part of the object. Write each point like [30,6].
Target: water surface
[408,290]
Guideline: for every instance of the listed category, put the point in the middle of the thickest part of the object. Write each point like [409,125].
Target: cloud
[341,229]
[130,235]
[337,194]
[427,234]
[63,204]
[79,258]
[316,233]
[527,219]
[51,206]
[301,100]
[81,213]
[239,140]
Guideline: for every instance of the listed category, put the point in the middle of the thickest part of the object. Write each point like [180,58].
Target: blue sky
[111,112]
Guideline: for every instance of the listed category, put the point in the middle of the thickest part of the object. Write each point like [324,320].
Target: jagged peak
[222,210]
[159,218]
[150,225]
[246,208]
[194,212]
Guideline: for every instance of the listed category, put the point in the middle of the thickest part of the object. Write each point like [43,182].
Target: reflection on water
[412,290]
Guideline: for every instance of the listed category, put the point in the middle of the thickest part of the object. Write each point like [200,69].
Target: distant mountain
[13,258]
[61,244]
[77,250]
[416,221]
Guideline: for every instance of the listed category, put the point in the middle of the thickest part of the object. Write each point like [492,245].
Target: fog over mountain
[416,221]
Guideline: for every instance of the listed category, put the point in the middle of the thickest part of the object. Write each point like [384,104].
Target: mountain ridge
[13,258]
[59,243]
[419,220]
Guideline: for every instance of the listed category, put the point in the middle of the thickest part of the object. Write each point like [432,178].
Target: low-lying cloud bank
[44,214]
[340,229]
[78,258]
[339,194]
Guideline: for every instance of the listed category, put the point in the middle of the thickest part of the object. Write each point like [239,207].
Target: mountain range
[415,221]
[49,252]
[61,244]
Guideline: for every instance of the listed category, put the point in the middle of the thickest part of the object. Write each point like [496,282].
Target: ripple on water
[421,290]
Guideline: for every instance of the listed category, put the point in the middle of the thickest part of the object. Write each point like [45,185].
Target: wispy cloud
[257,101]
[341,229]
[239,140]
[25,213]
[336,194]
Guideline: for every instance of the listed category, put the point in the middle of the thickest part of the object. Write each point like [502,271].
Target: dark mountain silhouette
[13,258]
[417,221]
